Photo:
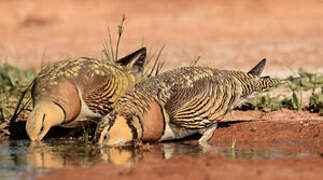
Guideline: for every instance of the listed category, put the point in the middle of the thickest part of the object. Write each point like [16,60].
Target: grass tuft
[157,66]
[15,100]
[111,53]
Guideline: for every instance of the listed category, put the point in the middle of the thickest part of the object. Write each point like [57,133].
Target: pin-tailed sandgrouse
[68,92]
[179,103]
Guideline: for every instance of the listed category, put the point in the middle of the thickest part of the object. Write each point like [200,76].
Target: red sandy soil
[227,34]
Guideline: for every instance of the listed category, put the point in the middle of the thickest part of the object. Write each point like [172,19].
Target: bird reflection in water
[42,155]
[23,159]
[129,155]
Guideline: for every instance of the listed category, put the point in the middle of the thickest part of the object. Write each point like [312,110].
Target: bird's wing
[202,103]
[100,97]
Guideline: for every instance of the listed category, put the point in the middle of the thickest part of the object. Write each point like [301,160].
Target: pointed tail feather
[267,82]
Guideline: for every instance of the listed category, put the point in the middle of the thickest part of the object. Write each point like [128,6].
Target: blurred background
[225,33]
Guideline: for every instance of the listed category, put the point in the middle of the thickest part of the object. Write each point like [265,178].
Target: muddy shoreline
[300,138]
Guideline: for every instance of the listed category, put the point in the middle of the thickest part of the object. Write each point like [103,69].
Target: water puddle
[24,159]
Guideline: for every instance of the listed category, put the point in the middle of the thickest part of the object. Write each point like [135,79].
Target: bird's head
[116,130]
[45,115]
[54,107]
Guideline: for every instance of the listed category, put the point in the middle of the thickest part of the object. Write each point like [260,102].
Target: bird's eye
[105,137]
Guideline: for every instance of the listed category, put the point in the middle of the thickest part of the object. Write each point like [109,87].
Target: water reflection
[153,151]
[42,156]
[260,154]
[120,156]
[24,159]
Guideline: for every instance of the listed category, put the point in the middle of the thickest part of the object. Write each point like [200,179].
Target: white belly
[174,132]
[86,115]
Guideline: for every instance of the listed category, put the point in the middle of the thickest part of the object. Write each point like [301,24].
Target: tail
[266,82]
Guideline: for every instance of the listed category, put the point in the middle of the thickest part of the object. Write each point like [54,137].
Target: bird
[179,103]
[71,92]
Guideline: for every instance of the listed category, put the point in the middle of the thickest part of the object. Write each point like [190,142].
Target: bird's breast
[152,123]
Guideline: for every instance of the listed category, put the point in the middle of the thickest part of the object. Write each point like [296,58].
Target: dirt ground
[226,34]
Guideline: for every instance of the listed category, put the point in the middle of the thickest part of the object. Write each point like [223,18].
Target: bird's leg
[203,141]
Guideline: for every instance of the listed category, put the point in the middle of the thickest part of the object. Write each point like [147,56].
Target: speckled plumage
[83,89]
[190,99]
[98,83]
